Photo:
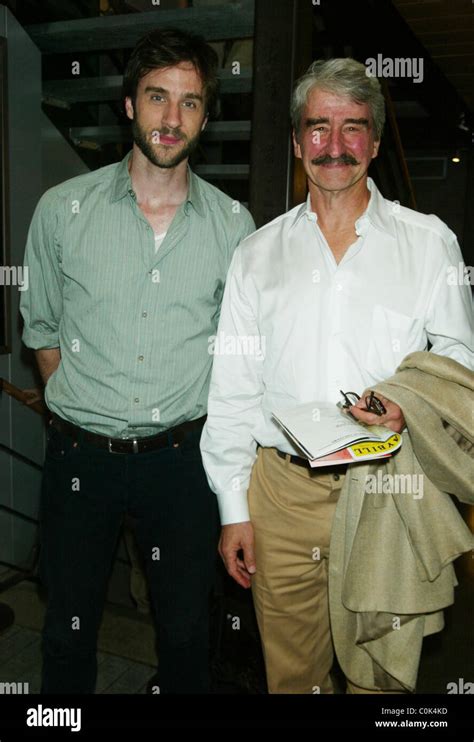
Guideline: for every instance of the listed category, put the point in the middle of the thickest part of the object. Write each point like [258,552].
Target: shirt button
[140,358]
[339,287]
[136,400]
[144,314]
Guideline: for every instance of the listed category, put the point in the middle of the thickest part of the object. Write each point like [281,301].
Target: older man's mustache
[343,159]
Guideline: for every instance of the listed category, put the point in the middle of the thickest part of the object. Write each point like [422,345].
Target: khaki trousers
[291,509]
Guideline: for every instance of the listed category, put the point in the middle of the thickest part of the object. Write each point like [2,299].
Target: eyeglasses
[372,403]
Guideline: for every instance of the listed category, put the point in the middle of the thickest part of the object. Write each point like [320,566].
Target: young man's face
[336,141]
[169,114]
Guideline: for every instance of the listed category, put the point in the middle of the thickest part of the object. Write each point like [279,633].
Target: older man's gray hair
[342,76]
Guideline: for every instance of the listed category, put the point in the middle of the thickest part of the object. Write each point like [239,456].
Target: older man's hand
[238,537]
[392,419]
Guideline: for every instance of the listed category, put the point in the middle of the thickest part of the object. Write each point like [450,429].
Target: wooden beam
[282,51]
[228,21]
[13,391]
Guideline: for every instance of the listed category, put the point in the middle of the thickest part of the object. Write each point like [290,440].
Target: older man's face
[336,141]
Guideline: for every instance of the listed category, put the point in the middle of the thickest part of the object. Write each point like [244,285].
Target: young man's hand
[392,419]
[33,395]
[234,537]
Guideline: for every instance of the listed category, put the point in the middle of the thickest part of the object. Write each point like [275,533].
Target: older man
[338,290]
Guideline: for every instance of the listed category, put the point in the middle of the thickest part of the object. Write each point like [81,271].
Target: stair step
[98,89]
[218,22]
[214,131]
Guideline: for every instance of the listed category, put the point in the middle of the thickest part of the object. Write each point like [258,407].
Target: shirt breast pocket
[392,336]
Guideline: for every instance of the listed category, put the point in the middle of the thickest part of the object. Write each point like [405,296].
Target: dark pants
[85,493]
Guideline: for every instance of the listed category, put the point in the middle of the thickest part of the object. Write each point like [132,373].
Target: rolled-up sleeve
[41,303]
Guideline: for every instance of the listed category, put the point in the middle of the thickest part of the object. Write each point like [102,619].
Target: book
[326,434]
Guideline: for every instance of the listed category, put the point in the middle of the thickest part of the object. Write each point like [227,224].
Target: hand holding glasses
[372,403]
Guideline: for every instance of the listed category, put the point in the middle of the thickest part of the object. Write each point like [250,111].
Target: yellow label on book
[369,448]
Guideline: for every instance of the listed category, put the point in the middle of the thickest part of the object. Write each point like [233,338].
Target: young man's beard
[145,144]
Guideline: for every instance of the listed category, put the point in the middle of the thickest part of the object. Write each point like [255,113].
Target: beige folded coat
[390,567]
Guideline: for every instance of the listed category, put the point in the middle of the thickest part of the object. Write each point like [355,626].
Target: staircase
[247,147]
[263,46]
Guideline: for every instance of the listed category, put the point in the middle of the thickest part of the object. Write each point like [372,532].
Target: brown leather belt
[172,437]
[300,461]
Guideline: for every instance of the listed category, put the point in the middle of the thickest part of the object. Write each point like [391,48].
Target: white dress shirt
[297,327]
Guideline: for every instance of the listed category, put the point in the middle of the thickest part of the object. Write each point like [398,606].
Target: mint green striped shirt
[134,326]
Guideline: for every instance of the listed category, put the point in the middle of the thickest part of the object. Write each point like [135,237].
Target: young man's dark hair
[169,47]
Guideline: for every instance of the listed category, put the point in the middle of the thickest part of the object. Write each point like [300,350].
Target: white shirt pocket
[392,336]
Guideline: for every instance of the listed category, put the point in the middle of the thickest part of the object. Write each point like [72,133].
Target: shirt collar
[375,214]
[195,193]
[305,210]
[122,184]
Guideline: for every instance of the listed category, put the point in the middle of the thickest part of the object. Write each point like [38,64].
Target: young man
[127,267]
[336,292]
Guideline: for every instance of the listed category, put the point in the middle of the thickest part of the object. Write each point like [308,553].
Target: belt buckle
[109,445]
[134,446]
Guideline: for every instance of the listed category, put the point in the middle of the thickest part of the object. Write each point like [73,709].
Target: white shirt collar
[377,213]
